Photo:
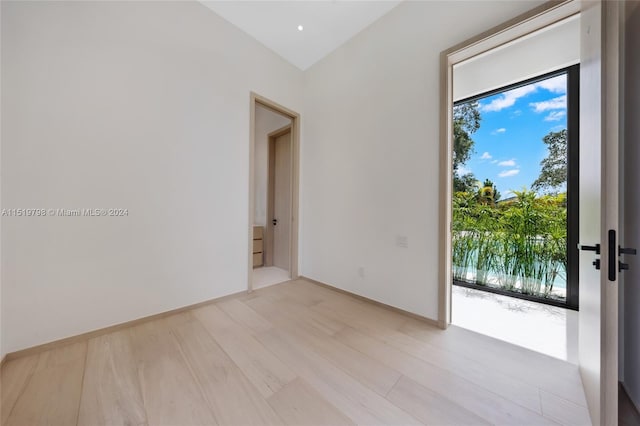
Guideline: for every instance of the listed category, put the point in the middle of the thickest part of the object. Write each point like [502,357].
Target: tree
[464,183]
[487,192]
[553,173]
[466,121]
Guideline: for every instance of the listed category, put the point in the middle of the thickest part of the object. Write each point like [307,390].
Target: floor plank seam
[392,387]
[139,373]
[23,388]
[222,347]
[194,376]
[84,370]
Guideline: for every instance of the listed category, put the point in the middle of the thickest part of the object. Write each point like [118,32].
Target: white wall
[136,105]
[145,106]
[550,49]
[370,152]
[267,121]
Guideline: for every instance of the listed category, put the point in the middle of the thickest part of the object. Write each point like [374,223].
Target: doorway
[515,191]
[599,39]
[273,233]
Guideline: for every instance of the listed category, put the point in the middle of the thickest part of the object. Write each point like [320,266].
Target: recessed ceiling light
[300,28]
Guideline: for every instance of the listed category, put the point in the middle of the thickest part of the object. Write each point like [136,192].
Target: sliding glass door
[515,205]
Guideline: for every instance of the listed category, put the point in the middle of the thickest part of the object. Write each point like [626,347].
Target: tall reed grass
[518,245]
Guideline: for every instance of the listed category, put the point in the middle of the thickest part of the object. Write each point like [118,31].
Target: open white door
[282,201]
[601,29]
[599,122]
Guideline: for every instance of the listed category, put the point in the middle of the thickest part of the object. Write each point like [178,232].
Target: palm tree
[487,193]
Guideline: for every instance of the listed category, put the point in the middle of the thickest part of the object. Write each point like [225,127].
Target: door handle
[625,250]
[595,248]
[275,222]
[622,251]
[612,256]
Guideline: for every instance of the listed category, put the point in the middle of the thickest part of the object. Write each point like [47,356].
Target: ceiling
[327,24]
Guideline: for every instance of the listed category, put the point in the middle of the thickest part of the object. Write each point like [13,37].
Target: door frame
[544,15]
[255,100]
[271,173]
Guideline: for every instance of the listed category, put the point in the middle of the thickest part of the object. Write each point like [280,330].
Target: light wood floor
[295,353]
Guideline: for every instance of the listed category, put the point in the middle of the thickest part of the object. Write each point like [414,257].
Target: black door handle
[612,255]
[622,251]
[595,248]
[275,222]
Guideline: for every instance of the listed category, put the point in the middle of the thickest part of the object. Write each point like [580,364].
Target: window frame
[573,185]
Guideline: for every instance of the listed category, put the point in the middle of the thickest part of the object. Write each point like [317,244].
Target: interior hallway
[294,353]
[269,275]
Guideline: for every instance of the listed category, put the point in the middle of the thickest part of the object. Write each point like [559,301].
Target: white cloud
[462,170]
[508,173]
[498,131]
[556,103]
[555,85]
[486,156]
[494,161]
[507,163]
[507,99]
[555,116]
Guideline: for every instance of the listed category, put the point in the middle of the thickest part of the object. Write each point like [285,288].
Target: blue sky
[508,146]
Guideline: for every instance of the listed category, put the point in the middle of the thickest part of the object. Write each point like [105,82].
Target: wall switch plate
[402,241]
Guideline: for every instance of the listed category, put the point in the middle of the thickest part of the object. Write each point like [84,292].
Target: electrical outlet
[402,241]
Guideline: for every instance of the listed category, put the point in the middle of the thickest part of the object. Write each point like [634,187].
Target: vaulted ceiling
[326,25]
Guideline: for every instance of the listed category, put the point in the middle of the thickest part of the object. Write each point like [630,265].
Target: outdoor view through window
[510,190]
